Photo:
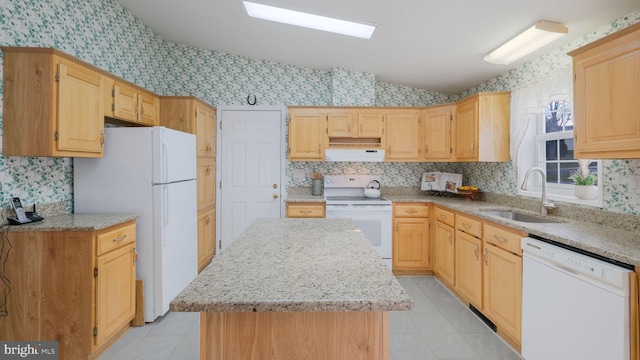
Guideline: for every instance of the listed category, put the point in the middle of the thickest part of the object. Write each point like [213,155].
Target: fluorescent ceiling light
[307,20]
[532,39]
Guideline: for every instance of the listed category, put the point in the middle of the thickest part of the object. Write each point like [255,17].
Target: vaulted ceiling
[433,45]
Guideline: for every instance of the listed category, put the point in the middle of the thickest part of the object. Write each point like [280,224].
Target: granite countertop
[74,222]
[608,241]
[281,265]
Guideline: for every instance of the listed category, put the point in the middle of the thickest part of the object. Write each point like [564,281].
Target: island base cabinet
[294,335]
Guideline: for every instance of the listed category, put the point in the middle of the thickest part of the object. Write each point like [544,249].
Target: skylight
[307,20]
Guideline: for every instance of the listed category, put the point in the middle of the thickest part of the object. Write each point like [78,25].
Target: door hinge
[113,107]
[575,77]
[195,113]
[220,184]
[57,76]
[56,136]
[326,131]
[113,92]
[95,331]
[95,272]
[450,150]
[220,244]
[450,117]
[220,124]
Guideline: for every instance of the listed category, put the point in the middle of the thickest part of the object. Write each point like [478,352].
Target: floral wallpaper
[101,32]
[353,88]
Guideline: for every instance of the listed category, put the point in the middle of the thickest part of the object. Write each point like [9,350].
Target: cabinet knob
[118,239]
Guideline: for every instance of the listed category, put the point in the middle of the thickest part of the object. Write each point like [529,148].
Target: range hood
[362,155]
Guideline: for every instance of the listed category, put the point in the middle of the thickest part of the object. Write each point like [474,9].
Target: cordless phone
[21,215]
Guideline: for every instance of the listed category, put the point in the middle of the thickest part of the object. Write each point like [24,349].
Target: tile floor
[439,327]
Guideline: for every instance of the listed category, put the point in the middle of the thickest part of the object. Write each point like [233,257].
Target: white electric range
[344,195]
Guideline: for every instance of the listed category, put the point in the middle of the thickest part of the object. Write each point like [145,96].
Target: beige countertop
[282,265]
[74,222]
[608,241]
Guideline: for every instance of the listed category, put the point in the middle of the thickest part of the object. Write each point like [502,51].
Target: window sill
[565,198]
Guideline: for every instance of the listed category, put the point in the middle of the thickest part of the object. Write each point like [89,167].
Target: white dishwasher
[573,306]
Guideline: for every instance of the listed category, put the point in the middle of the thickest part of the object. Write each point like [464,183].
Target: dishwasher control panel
[576,262]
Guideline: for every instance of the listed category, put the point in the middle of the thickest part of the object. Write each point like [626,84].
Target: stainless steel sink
[518,216]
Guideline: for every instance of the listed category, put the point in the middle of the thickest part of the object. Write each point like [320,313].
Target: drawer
[115,237]
[502,238]
[305,210]
[411,210]
[469,225]
[445,216]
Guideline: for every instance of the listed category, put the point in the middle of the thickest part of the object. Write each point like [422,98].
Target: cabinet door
[80,117]
[210,131]
[444,261]
[436,131]
[411,244]
[467,130]
[606,93]
[206,182]
[468,267]
[305,135]
[403,136]
[206,237]
[203,143]
[340,125]
[125,101]
[116,291]
[502,289]
[370,124]
[149,113]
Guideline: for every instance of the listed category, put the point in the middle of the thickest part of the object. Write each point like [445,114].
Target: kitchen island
[295,289]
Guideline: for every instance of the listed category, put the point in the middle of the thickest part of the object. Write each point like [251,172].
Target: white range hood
[362,155]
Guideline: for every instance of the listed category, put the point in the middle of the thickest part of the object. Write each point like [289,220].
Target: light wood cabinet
[306,210]
[132,104]
[437,124]
[206,183]
[307,130]
[82,294]
[53,104]
[411,238]
[468,259]
[502,280]
[355,123]
[206,237]
[194,116]
[606,90]
[444,260]
[482,127]
[403,135]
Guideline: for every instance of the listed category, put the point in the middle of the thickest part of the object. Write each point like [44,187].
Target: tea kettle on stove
[372,190]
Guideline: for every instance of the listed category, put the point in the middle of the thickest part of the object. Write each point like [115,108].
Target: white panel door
[250,169]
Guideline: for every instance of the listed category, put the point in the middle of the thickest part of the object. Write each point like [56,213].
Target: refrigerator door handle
[165,210]
[165,162]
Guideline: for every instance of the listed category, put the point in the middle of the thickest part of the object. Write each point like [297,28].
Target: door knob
[275,196]
[275,186]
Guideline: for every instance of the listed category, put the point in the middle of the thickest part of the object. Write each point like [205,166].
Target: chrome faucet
[545,205]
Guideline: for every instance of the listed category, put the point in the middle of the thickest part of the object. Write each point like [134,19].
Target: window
[542,136]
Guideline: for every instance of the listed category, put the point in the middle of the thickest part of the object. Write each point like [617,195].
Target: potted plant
[584,181]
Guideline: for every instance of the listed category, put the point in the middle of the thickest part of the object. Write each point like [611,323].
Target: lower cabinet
[206,237]
[411,238]
[74,287]
[502,280]
[444,246]
[306,210]
[468,259]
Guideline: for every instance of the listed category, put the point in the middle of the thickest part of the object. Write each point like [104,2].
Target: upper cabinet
[437,124]
[482,127]
[307,129]
[606,90]
[403,135]
[191,115]
[132,104]
[357,127]
[53,104]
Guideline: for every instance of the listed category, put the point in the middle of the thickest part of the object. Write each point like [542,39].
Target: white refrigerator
[151,172]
